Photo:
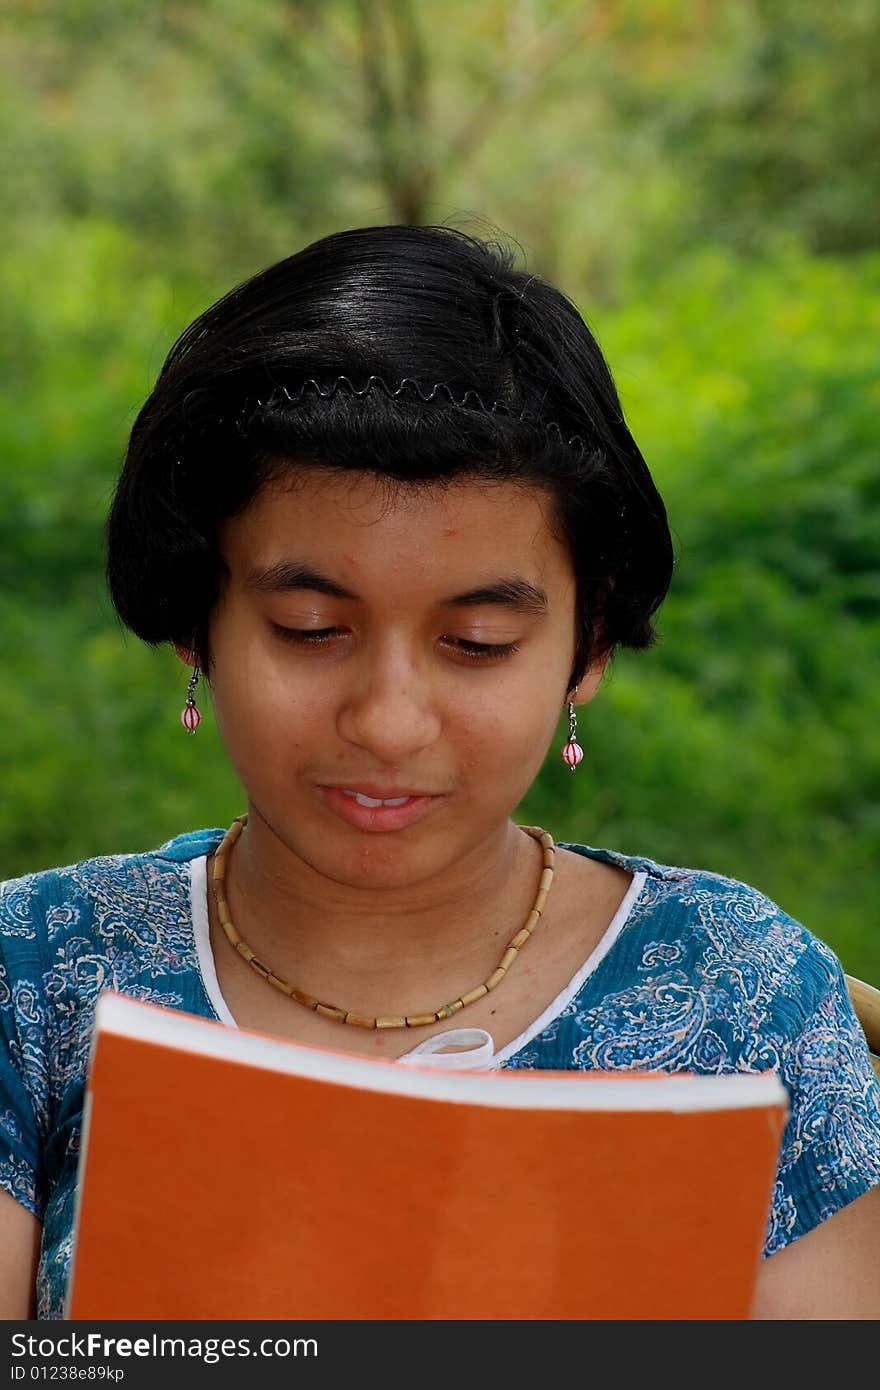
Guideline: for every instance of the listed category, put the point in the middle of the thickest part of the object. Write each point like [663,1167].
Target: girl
[384,504]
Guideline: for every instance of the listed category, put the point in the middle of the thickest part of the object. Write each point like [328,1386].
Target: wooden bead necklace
[514,946]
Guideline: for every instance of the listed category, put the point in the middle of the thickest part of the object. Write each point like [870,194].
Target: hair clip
[471,400]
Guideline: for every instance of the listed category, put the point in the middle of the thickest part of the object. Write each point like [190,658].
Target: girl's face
[409,647]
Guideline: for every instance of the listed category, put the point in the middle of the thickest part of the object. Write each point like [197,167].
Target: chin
[377,862]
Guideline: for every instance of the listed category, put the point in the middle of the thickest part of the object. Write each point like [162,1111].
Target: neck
[381,948]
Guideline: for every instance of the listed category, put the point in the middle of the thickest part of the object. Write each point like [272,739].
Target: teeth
[363,800]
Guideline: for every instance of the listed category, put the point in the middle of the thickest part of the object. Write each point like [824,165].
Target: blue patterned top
[696,973]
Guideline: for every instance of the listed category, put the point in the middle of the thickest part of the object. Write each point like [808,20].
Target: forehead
[357,522]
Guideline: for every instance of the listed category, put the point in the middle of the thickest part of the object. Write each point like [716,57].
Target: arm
[25,1068]
[831,1272]
[20,1233]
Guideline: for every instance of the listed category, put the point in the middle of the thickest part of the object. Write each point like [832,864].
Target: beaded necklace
[308,1001]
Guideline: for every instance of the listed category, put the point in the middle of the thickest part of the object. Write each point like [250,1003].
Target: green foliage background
[701,187]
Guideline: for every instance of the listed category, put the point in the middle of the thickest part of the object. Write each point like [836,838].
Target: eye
[307,636]
[481,651]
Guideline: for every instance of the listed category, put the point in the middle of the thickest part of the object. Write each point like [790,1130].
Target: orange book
[228,1174]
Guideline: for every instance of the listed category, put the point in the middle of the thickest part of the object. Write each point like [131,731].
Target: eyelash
[473,651]
[484,651]
[305,636]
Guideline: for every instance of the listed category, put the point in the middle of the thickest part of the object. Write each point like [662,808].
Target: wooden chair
[866,1002]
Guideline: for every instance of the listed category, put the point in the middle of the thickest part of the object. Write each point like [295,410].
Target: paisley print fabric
[701,974]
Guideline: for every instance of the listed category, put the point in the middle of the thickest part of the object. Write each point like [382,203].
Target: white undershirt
[478,1049]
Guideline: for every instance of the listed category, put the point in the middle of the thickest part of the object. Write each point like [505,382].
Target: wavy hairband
[471,400]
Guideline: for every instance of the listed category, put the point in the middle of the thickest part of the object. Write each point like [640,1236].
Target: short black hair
[230,412]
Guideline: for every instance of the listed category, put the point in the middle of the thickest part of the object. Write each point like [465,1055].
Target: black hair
[230,412]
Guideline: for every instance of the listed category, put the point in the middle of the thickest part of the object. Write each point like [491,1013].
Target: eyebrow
[517,594]
[289,574]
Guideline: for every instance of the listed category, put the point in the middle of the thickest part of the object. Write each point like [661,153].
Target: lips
[372,794]
[379,808]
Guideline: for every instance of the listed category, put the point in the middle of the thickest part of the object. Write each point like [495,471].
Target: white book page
[115,1013]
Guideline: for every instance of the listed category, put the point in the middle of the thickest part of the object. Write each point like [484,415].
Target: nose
[389,710]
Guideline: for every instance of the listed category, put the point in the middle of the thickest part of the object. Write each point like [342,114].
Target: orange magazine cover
[227,1174]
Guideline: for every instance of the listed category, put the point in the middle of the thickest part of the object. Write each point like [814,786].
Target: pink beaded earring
[190,716]
[572,753]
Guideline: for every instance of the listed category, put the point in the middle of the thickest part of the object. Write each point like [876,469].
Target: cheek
[506,733]
[252,673]
[256,705]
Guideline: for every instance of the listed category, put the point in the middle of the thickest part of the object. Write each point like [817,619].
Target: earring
[572,753]
[190,716]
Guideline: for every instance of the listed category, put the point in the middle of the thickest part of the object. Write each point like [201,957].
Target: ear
[185,654]
[590,681]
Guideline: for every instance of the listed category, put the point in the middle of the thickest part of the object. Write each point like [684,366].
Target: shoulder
[70,895]
[724,936]
[117,920]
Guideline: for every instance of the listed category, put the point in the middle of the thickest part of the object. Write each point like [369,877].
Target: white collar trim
[596,956]
[198,896]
